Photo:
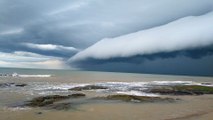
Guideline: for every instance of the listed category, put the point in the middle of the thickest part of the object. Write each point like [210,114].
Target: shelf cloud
[186,33]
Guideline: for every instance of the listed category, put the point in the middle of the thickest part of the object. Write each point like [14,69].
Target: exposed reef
[133,98]
[45,101]
[58,102]
[182,90]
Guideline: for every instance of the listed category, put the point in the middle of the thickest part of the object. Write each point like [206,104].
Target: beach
[16,91]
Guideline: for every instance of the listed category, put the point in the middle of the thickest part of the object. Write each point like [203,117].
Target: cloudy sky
[143,36]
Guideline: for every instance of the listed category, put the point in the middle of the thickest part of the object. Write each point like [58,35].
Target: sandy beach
[18,90]
[190,108]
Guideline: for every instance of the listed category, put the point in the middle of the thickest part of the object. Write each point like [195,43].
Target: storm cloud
[100,34]
[185,33]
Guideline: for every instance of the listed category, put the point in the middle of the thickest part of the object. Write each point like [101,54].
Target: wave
[137,93]
[24,75]
[130,88]
[27,75]
[43,76]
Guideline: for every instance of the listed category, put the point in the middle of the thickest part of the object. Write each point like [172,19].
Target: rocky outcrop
[133,98]
[20,85]
[88,87]
[51,99]
[182,90]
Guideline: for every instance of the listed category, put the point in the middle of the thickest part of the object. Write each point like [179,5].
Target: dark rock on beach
[88,87]
[5,85]
[182,90]
[133,98]
[206,83]
[51,99]
[38,113]
[20,85]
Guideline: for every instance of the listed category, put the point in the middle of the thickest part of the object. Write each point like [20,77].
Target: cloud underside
[186,62]
[180,65]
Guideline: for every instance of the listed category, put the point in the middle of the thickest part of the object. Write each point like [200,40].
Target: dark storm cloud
[197,53]
[60,25]
[164,63]
[80,23]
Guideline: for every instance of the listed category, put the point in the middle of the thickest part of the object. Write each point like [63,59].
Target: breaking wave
[130,88]
[24,75]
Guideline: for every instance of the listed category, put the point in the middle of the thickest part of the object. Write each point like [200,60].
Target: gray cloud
[30,60]
[81,23]
[175,65]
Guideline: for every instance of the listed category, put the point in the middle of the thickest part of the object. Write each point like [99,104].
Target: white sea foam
[172,83]
[179,83]
[137,93]
[132,88]
[25,76]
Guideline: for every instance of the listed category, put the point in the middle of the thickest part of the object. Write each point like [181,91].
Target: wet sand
[189,108]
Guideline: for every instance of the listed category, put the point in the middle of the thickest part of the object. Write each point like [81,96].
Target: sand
[189,108]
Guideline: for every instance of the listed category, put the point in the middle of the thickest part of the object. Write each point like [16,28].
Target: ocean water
[40,82]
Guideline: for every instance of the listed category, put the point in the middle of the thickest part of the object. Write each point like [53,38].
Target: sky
[139,36]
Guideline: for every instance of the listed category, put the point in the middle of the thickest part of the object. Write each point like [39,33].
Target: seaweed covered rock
[196,89]
[182,90]
[48,100]
[133,98]
[88,87]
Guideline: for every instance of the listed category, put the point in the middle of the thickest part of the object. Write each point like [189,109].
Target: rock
[195,89]
[77,95]
[88,87]
[182,90]
[20,85]
[4,85]
[169,91]
[133,98]
[48,100]
[39,113]
[206,83]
